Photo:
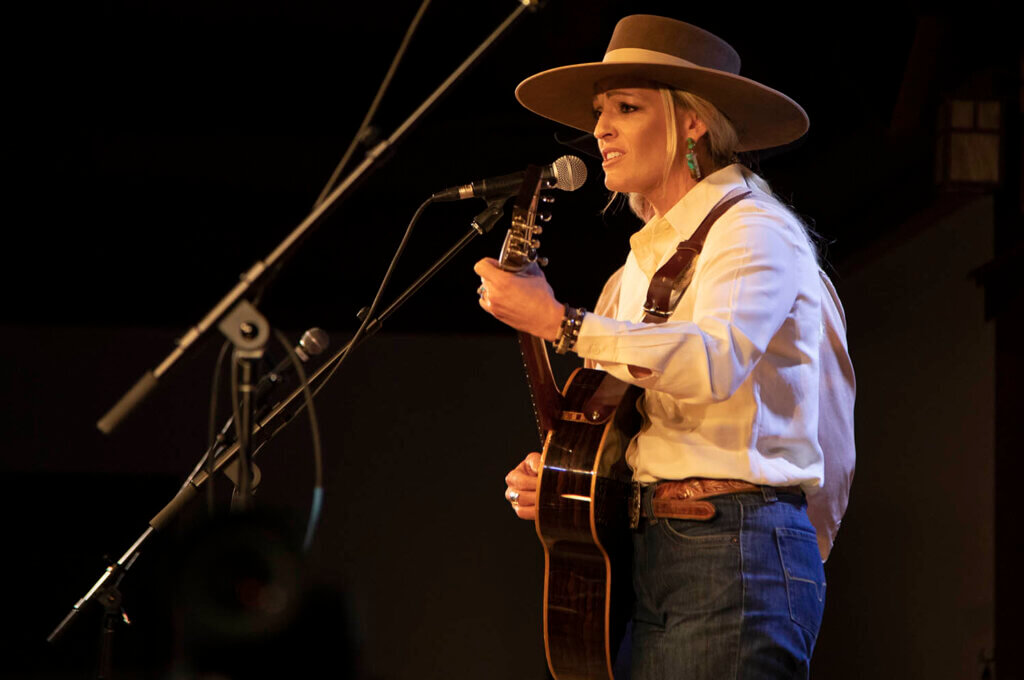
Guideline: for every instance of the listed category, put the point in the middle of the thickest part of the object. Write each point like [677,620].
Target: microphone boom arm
[149,380]
[225,458]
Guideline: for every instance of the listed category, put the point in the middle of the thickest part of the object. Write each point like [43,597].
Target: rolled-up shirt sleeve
[742,291]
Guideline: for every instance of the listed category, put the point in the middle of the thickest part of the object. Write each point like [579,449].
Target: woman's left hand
[523,300]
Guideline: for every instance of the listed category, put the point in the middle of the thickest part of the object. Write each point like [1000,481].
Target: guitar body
[583,488]
[582,521]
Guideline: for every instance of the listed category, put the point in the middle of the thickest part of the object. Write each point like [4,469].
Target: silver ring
[513,497]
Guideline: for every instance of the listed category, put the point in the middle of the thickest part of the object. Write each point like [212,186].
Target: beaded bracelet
[569,331]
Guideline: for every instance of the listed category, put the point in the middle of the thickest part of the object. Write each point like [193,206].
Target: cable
[317,452]
[244,485]
[318,458]
[316,506]
[212,437]
[376,300]
[364,126]
[359,136]
[339,358]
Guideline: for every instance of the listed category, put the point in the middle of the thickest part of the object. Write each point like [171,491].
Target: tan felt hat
[653,51]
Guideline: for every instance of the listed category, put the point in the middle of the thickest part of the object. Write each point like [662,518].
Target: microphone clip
[490,215]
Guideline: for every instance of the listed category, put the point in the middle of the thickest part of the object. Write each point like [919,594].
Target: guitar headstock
[520,247]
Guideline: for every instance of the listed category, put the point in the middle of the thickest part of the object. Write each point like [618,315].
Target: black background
[163,148]
[159,149]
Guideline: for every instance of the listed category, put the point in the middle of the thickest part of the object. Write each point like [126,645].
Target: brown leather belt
[683,499]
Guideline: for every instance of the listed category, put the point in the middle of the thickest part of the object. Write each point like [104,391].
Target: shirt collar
[656,239]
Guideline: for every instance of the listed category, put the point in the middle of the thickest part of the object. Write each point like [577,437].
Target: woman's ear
[691,126]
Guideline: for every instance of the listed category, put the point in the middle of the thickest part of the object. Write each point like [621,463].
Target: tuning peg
[542,261]
[546,198]
[538,230]
[544,217]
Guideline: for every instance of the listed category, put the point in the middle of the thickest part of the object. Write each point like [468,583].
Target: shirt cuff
[597,339]
[598,343]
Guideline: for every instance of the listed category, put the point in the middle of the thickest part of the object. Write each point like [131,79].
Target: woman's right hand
[522,487]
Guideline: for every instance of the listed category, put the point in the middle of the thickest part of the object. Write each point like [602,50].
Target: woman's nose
[603,127]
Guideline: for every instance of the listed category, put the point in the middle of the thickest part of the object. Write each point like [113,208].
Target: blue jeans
[739,596]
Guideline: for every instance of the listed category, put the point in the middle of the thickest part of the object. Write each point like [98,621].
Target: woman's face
[630,131]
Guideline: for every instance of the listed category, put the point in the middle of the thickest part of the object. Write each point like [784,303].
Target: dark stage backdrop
[425,571]
[163,147]
[419,569]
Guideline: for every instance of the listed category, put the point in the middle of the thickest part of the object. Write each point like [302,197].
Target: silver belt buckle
[636,492]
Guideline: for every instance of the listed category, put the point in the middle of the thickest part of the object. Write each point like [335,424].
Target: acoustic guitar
[584,485]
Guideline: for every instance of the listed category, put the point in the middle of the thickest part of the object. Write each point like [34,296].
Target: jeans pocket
[699,532]
[805,577]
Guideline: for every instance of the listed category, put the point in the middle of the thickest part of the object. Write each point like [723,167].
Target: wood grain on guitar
[583,487]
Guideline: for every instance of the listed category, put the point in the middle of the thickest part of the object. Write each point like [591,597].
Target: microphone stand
[257,272]
[224,457]
[481,224]
[231,302]
[248,331]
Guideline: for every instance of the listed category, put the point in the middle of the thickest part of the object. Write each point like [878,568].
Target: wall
[419,564]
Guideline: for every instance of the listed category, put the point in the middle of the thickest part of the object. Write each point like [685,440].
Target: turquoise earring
[691,159]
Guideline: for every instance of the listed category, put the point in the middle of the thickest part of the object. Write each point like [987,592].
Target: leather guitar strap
[658,307]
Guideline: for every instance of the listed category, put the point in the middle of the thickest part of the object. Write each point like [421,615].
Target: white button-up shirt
[732,378]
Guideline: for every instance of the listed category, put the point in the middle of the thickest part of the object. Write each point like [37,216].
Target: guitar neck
[547,399]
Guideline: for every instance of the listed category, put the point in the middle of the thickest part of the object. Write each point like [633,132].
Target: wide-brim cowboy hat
[651,50]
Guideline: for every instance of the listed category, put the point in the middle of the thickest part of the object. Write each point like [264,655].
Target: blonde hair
[716,148]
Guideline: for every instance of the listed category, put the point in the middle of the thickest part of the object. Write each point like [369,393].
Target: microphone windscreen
[314,341]
[570,173]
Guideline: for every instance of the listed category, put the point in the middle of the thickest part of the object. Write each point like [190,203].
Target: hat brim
[763,117]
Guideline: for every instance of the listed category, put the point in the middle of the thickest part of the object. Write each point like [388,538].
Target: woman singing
[748,386]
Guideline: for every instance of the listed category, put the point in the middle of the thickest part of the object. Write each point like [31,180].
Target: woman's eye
[626,108]
[597,113]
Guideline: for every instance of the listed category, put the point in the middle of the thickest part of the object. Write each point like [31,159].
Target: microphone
[569,173]
[313,342]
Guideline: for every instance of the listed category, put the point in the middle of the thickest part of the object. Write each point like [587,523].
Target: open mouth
[611,156]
